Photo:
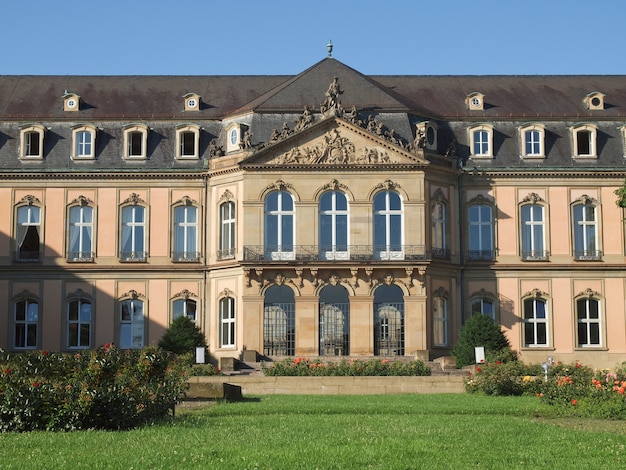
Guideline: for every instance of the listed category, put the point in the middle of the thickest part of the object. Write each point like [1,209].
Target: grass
[338,432]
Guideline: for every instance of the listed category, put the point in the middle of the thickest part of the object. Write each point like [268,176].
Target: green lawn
[338,432]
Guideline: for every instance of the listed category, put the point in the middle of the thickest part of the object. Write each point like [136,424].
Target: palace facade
[324,214]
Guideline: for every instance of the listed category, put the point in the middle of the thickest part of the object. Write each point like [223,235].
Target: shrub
[106,388]
[373,367]
[204,370]
[505,378]
[183,336]
[480,330]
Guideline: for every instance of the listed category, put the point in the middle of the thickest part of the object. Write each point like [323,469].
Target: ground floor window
[388,321]
[279,328]
[26,323]
[334,321]
[131,324]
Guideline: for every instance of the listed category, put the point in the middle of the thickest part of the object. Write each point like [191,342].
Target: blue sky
[436,37]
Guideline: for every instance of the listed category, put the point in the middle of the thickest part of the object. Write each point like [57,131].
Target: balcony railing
[27,256]
[535,255]
[587,255]
[338,253]
[227,253]
[481,255]
[441,253]
[186,256]
[133,256]
[80,256]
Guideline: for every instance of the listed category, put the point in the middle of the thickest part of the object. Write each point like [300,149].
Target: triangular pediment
[334,141]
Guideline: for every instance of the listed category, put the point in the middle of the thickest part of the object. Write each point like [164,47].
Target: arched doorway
[279,325]
[334,321]
[388,321]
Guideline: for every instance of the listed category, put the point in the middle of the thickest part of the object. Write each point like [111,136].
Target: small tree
[182,337]
[480,330]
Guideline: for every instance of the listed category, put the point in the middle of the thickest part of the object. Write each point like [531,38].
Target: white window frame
[133,225]
[23,222]
[279,253]
[131,132]
[483,246]
[537,134]
[79,323]
[182,230]
[228,221]
[439,227]
[588,323]
[580,228]
[332,252]
[388,250]
[83,150]
[482,136]
[181,307]
[181,131]
[233,137]
[27,323]
[592,132]
[482,301]
[78,230]
[28,135]
[535,321]
[132,330]
[527,230]
[228,332]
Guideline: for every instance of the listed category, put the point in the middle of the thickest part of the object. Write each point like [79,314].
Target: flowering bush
[306,367]
[106,388]
[504,378]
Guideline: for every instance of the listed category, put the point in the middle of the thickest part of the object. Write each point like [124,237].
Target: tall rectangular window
[133,234]
[533,247]
[135,144]
[333,225]
[480,233]
[585,232]
[481,143]
[83,144]
[80,234]
[27,233]
[132,330]
[533,142]
[535,323]
[388,226]
[26,324]
[227,322]
[78,324]
[438,231]
[186,233]
[440,321]
[31,144]
[227,230]
[588,315]
[187,144]
[279,226]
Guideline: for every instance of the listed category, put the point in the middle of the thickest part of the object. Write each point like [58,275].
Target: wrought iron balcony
[535,255]
[587,255]
[133,256]
[261,253]
[481,255]
[80,256]
[441,253]
[186,256]
[27,256]
[227,253]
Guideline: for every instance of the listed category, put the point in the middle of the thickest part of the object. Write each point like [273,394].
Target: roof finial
[329,46]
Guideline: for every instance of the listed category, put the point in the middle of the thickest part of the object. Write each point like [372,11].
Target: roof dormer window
[234,136]
[71,101]
[83,142]
[584,141]
[481,141]
[475,101]
[187,141]
[135,141]
[594,101]
[31,142]
[191,102]
[532,138]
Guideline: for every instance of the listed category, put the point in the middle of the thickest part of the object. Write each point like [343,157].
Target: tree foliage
[480,330]
[182,337]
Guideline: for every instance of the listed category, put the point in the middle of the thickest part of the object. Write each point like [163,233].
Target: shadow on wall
[50,303]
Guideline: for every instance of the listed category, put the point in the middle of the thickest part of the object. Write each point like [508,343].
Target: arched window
[334,321]
[227,322]
[333,236]
[439,239]
[279,226]
[585,230]
[279,325]
[388,321]
[388,225]
[483,305]
[79,321]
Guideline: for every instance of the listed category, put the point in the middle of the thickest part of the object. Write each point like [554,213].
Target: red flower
[6,371]
[35,384]
[577,365]
[574,402]
[44,353]
[478,369]
[498,362]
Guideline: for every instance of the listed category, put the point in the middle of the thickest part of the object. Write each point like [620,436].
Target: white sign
[480,354]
